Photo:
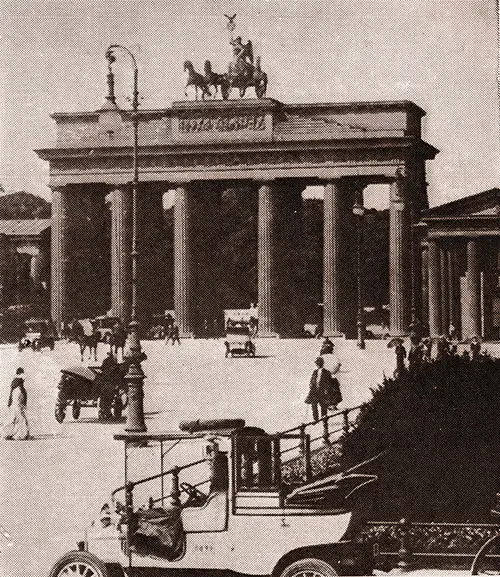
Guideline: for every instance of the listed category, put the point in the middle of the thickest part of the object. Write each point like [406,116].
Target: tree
[23,205]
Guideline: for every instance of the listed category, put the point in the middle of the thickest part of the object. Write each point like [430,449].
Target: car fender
[347,557]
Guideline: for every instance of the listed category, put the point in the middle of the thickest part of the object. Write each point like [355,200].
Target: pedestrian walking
[475,348]
[109,379]
[398,345]
[324,390]
[330,359]
[175,335]
[326,347]
[16,427]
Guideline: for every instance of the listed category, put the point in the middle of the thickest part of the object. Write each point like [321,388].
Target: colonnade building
[200,149]
[461,266]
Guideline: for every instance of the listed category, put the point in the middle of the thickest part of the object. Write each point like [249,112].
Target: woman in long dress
[16,427]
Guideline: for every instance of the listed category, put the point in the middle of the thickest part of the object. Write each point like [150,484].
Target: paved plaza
[53,486]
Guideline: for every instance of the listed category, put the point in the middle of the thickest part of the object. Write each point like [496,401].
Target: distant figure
[326,347]
[16,427]
[427,348]
[400,352]
[173,334]
[475,348]
[442,348]
[118,337]
[324,390]
[110,375]
[416,354]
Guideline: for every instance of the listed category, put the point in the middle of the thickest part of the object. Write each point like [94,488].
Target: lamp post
[359,211]
[135,375]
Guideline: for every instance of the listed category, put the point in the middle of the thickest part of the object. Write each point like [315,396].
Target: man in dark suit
[324,390]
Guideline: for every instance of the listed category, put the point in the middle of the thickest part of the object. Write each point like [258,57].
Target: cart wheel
[75,409]
[487,560]
[307,567]
[79,563]
[117,407]
[59,414]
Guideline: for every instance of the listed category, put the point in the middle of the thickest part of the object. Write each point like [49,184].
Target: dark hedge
[439,426]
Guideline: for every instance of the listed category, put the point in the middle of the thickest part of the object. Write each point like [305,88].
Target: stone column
[444,291]
[59,255]
[37,266]
[453,288]
[268,321]
[121,229]
[472,317]
[434,289]
[424,276]
[183,266]
[399,259]
[332,247]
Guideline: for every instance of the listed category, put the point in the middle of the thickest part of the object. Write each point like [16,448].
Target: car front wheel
[79,563]
[309,568]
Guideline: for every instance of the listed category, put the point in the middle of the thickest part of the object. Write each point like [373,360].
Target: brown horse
[195,79]
[214,79]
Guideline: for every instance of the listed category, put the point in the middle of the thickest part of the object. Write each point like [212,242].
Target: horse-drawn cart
[86,387]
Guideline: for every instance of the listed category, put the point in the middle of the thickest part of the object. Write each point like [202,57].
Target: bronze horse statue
[215,79]
[197,80]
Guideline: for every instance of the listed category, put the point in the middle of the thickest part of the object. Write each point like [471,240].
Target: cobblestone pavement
[53,486]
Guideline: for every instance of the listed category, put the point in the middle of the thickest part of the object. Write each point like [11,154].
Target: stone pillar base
[268,335]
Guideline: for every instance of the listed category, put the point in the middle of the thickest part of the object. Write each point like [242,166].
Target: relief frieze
[252,122]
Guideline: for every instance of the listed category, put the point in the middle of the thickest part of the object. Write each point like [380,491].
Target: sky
[441,54]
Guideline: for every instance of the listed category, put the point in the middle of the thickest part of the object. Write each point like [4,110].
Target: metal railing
[330,435]
[406,544]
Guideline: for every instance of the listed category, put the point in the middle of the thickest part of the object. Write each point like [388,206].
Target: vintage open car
[83,387]
[37,335]
[216,496]
[103,325]
[239,342]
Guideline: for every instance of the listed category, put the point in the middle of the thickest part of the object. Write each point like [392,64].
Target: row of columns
[275,213]
[338,281]
[452,302]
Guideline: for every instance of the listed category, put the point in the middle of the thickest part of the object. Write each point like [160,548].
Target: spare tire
[211,425]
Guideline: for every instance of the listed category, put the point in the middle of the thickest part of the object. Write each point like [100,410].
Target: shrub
[439,428]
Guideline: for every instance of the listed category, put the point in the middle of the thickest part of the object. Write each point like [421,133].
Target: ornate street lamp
[135,375]
[359,211]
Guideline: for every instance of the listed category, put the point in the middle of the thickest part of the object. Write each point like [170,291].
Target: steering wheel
[195,496]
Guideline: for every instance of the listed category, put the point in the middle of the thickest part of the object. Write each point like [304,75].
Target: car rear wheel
[309,568]
[79,563]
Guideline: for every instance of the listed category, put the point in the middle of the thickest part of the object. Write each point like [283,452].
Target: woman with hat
[16,427]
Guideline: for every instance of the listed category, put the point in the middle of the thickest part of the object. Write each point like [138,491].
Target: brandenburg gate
[200,148]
